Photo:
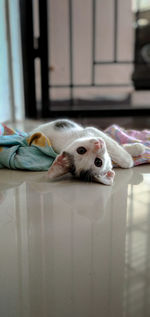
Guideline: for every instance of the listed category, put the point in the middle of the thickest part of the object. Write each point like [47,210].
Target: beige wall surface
[82,48]
[82,39]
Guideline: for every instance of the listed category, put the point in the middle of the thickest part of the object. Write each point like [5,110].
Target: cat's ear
[60,166]
[106,179]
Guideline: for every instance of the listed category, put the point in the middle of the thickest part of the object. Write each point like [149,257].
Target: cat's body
[86,152]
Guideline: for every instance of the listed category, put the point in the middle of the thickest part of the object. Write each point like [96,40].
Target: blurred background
[75,58]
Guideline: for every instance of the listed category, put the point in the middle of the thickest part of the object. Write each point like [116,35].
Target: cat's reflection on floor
[90,200]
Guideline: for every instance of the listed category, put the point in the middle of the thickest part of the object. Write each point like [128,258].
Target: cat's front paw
[139,149]
[127,163]
[135,149]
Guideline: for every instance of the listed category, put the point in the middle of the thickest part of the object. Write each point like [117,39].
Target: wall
[11,79]
[82,45]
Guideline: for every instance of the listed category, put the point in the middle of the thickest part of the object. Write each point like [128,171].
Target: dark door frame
[30,52]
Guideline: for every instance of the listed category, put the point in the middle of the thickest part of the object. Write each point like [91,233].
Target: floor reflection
[74,249]
[137,259]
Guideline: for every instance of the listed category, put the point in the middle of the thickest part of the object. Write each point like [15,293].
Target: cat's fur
[68,137]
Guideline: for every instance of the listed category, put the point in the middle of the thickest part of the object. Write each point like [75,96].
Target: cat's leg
[117,153]
[135,149]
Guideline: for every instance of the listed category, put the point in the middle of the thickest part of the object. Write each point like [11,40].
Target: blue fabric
[24,151]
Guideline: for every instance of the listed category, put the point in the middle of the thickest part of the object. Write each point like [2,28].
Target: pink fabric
[123,136]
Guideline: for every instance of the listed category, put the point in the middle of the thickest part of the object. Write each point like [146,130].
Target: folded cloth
[123,136]
[20,150]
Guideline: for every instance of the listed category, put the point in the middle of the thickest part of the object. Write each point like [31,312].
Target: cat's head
[86,158]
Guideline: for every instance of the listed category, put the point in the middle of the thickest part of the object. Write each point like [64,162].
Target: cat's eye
[81,150]
[98,162]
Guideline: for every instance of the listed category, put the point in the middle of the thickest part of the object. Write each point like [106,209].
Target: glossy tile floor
[70,248]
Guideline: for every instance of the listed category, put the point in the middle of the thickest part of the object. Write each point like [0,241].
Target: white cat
[87,153]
